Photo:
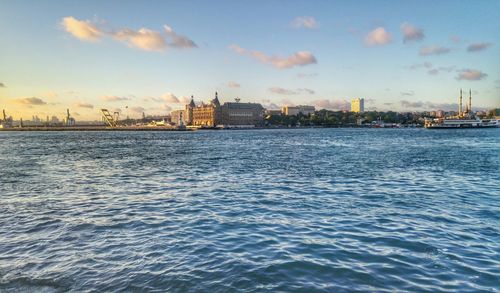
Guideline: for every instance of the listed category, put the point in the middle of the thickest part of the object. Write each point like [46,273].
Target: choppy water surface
[260,210]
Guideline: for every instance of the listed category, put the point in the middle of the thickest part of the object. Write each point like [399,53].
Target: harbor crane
[109,119]
[5,121]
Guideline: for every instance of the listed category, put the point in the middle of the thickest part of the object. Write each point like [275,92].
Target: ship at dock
[464,119]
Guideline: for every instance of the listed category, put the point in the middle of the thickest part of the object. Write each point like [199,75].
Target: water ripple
[327,210]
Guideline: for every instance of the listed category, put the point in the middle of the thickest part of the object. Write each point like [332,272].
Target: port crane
[6,121]
[109,119]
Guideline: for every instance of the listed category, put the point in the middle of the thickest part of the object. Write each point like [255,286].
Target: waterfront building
[439,113]
[206,115]
[295,110]
[230,114]
[242,114]
[358,105]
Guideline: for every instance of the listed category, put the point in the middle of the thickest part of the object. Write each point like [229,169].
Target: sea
[264,210]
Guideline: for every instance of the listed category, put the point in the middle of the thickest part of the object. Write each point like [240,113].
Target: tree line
[330,118]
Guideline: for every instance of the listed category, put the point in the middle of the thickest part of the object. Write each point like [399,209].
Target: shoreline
[91,128]
[159,128]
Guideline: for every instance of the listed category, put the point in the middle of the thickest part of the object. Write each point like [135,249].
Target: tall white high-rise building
[358,105]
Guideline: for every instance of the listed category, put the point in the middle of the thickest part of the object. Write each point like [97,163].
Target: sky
[151,56]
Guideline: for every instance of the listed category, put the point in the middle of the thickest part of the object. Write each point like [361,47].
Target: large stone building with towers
[230,114]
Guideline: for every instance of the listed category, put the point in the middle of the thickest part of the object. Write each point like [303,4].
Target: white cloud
[82,29]
[165,98]
[431,69]
[151,40]
[308,91]
[304,75]
[84,105]
[433,50]
[478,47]
[31,101]
[471,74]
[425,105]
[420,65]
[437,70]
[165,107]
[308,22]
[271,106]
[338,104]
[410,104]
[137,109]
[50,94]
[170,98]
[409,93]
[143,38]
[300,58]
[154,99]
[185,100]
[282,91]
[411,33]
[233,84]
[114,98]
[377,37]
[178,41]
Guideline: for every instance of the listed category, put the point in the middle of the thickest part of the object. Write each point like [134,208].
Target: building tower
[460,104]
[358,105]
[188,116]
[215,101]
[470,101]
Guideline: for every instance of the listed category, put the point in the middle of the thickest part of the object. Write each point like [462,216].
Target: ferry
[464,119]
[461,123]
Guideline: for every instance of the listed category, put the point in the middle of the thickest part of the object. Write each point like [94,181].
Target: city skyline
[86,56]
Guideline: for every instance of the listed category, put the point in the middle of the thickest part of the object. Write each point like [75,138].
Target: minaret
[470,101]
[460,104]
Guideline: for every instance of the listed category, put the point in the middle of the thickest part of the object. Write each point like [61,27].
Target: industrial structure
[6,122]
[68,120]
[110,120]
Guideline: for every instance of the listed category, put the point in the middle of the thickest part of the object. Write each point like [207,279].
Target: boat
[464,119]
[461,123]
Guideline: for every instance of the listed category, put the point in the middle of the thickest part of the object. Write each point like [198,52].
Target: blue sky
[87,55]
